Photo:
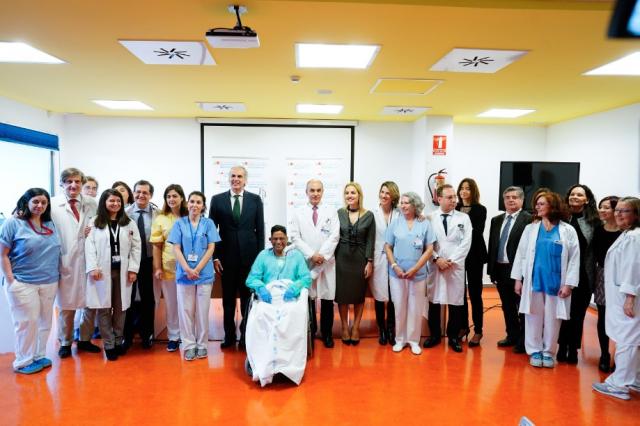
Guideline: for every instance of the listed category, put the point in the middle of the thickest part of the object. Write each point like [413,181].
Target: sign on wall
[439,144]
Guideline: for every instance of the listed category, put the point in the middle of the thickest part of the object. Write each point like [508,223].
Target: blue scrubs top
[194,240]
[409,245]
[35,258]
[547,263]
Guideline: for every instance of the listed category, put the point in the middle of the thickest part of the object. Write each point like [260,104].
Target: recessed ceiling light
[124,105]
[505,113]
[319,109]
[23,53]
[335,55]
[629,65]
[223,106]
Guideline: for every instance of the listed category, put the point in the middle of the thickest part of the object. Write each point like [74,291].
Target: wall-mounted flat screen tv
[531,175]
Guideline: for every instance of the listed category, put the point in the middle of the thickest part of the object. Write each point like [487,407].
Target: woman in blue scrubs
[30,252]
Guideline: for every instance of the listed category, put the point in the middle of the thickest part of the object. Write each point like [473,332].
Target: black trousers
[603,339]
[474,287]
[510,301]
[454,324]
[326,318]
[571,329]
[234,279]
[140,316]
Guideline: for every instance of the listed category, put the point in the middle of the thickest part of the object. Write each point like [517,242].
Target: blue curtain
[30,137]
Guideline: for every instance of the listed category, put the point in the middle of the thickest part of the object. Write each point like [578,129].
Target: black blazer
[478,251]
[523,219]
[242,241]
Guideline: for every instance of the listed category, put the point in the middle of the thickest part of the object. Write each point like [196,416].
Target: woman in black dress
[354,260]
[584,219]
[469,203]
[603,238]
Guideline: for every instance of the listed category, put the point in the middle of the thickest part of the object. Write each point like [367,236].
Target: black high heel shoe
[464,335]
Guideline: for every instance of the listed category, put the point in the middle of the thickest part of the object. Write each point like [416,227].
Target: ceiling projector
[238,37]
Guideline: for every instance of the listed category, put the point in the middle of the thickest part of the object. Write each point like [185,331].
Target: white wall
[606,144]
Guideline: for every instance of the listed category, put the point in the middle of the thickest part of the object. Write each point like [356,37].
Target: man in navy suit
[504,236]
[239,215]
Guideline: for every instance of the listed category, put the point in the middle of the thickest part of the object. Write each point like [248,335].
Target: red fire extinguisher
[435,181]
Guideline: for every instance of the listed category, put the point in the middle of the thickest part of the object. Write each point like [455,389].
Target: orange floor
[362,385]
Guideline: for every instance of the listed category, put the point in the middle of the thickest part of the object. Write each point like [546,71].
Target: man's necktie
[236,208]
[444,223]
[74,208]
[503,239]
[314,216]
[143,235]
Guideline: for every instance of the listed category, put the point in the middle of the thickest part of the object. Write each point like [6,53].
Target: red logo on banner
[439,145]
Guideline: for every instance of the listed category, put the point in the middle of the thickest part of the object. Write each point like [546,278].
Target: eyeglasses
[625,211]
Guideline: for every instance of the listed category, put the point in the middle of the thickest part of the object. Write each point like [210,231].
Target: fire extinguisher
[435,181]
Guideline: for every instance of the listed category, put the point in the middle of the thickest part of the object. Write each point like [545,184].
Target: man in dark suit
[504,236]
[239,216]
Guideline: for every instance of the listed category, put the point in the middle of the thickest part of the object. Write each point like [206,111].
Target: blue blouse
[409,245]
[548,261]
[34,257]
[193,244]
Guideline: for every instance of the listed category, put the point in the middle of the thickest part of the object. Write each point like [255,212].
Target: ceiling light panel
[23,53]
[319,109]
[223,106]
[403,110]
[404,86]
[169,52]
[124,105]
[477,60]
[505,113]
[335,55]
[629,65]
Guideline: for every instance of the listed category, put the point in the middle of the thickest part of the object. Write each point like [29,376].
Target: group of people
[101,259]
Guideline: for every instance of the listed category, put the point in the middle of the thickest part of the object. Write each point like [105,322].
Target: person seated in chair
[277,325]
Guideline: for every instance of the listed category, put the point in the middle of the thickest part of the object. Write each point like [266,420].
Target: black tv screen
[531,175]
[625,20]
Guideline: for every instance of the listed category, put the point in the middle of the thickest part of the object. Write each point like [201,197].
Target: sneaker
[607,389]
[536,359]
[44,362]
[173,346]
[34,367]
[190,354]
[635,386]
[547,361]
[398,347]
[415,348]
[201,353]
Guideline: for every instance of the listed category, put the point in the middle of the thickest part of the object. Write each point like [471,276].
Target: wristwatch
[435,258]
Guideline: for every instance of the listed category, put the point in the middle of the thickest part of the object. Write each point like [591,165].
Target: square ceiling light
[319,109]
[477,60]
[505,113]
[223,106]
[404,86]
[354,56]
[17,52]
[628,65]
[403,110]
[124,105]
[169,52]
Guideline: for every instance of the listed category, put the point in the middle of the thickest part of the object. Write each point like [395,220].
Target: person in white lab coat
[384,214]
[71,213]
[112,254]
[546,269]
[315,231]
[622,288]
[445,283]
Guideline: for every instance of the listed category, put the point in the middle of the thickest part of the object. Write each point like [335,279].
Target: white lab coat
[380,279]
[321,238]
[447,287]
[276,335]
[569,263]
[71,287]
[98,256]
[622,277]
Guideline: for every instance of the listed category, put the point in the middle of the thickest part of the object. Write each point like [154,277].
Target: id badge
[115,258]
[192,257]
[417,244]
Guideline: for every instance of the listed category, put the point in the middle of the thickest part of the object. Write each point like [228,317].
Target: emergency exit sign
[439,145]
